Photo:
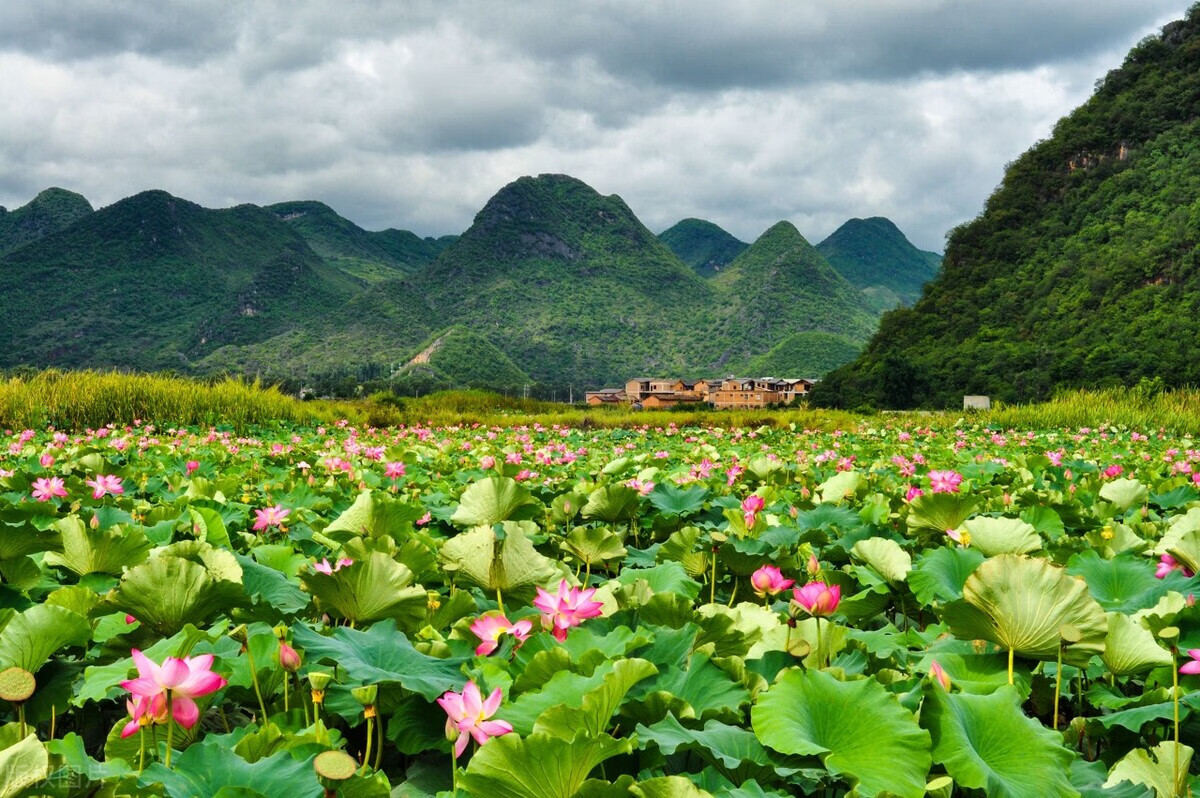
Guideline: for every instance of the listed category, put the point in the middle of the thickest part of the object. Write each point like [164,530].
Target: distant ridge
[702,245]
[878,259]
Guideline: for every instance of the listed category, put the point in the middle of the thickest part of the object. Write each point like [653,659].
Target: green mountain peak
[702,245]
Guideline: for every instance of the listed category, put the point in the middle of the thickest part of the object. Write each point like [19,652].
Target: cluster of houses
[733,393]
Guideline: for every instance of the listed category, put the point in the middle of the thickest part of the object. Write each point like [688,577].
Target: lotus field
[547,612]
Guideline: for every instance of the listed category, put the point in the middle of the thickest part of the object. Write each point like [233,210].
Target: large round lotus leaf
[1177,527]
[940,511]
[166,592]
[886,557]
[1124,493]
[17,540]
[210,768]
[492,500]
[1131,648]
[1022,604]
[1187,550]
[509,564]
[839,486]
[373,588]
[537,766]
[1155,769]
[373,515]
[986,742]
[858,729]
[593,545]
[1126,583]
[994,536]
[612,504]
[32,636]
[87,551]
[23,765]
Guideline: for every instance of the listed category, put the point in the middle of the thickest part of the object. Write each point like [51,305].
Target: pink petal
[479,734]
[460,745]
[129,729]
[1191,667]
[142,686]
[521,629]
[146,668]
[492,703]
[452,703]
[173,673]
[495,728]
[486,647]
[199,684]
[472,700]
[185,711]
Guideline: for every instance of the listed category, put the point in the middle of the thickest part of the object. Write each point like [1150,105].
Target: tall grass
[79,399]
[1175,411]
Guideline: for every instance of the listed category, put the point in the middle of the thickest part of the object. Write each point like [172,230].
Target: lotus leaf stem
[500,602]
[1010,665]
[1057,684]
[1175,701]
[712,582]
[820,651]
[254,678]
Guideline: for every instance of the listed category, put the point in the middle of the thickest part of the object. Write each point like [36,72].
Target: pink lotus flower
[960,536]
[1113,470]
[769,580]
[1192,667]
[570,607]
[751,506]
[324,566]
[289,658]
[945,481]
[105,484]
[818,599]
[182,679]
[1167,564]
[47,488]
[467,713]
[490,628]
[912,493]
[487,462]
[270,516]
[46,460]
[191,466]
[393,470]
[145,712]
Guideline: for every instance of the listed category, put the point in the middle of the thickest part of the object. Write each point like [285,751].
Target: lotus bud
[814,565]
[1191,600]
[1007,499]
[95,522]
[939,675]
[289,658]
[46,460]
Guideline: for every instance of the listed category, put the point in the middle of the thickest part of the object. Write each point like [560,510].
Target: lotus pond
[548,612]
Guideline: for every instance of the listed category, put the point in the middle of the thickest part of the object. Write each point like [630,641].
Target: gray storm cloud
[412,114]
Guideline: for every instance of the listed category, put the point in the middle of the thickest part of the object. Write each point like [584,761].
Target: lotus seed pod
[16,685]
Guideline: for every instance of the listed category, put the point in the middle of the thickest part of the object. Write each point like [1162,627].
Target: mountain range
[553,283]
[1083,269]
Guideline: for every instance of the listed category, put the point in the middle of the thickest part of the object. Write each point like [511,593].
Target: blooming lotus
[270,516]
[191,466]
[817,598]
[46,488]
[1167,564]
[960,536]
[145,712]
[394,470]
[769,580]
[467,713]
[913,493]
[105,484]
[945,481]
[1192,667]
[570,607]
[490,628]
[180,680]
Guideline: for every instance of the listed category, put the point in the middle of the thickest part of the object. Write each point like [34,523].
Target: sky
[412,114]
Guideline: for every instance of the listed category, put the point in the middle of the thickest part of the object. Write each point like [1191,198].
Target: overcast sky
[412,114]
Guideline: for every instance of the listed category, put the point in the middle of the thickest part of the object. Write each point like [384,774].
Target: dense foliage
[806,354]
[702,245]
[48,212]
[686,612]
[877,258]
[1082,269]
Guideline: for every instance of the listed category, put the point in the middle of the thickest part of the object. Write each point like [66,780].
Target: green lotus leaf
[838,487]
[210,768]
[492,500]
[270,589]
[939,574]
[373,588]
[381,655]
[994,536]
[220,562]
[977,673]
[373,514]
[612,504]
[734,751]
[593,545]
[1186,550]
[593,712]
[1124,493]
[511,565]
[1126,583]
[701,691]
[23,765]
[987,743]
[886,557]
[17,540]
[1177,527]
[90,551]
[76,598]
[667,577]
[167,592]
[538,766]
[675,502]
[858,729]
[207,525]
[31,637]
[1022,604]
[1130,648]
[668,787]
[941,511]
[1155,768]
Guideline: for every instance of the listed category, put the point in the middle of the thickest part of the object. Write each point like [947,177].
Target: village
[730,393]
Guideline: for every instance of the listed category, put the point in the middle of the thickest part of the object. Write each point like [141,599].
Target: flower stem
[1057,685]
[370,739]
[21,718]
[1010,666]
[303,703]
[379,748]
[53,718]
[1175,701]
[500,602]
[286,690]
[712,583]
[141,749]
[733,595]
[254,678]
[170,729]
[820,652]
[453,775]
